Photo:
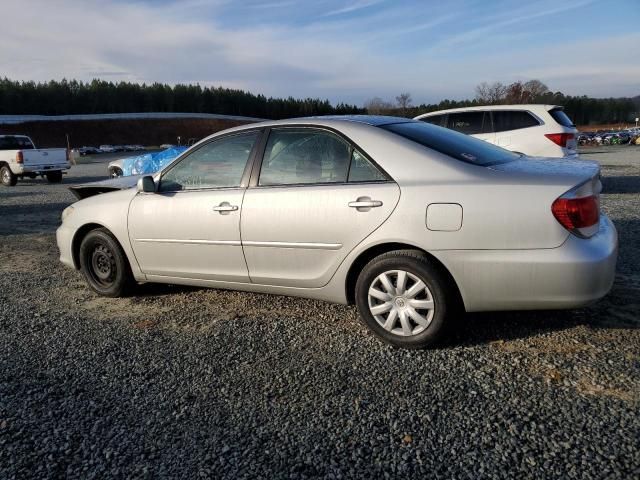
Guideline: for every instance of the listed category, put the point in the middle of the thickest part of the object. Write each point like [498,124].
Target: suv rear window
[561,117]
[505,120]
[9,142]
[434,120]
[456,145]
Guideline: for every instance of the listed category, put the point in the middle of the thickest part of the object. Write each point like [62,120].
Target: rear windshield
[456,145]
[9,142]
[561,117]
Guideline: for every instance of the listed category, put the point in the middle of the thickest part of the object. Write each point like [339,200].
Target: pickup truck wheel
[104,264]
[7,177]
[54,177]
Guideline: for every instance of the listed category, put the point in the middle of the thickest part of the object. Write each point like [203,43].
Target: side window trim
[262,145]
[244,182]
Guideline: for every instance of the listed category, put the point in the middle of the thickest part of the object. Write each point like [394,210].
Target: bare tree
[404,101]
[491,94]
[517,94]
[536,89]
[377,106]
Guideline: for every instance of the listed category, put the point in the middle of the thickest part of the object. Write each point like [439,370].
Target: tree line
[582,110]
[99,96]
[68,97]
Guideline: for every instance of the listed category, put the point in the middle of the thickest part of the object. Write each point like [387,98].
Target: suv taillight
[560,139]
[19,157]
[580,216]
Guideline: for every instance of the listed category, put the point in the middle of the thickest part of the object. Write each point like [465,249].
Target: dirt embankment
[49,134]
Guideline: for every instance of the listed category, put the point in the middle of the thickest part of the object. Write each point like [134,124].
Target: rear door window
[561,117]
[505,120]
[470,123]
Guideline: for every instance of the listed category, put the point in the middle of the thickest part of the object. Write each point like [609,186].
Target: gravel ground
[185,382]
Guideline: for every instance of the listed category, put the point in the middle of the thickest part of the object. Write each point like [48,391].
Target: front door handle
[364,204]
[225,208]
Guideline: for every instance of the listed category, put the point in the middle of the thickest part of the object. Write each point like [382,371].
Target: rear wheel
[115,172]
[104,264]
[54,177]
[7,177]
[405,299]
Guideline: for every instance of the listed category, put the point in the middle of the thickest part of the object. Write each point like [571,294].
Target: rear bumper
[39,169]
[575,274]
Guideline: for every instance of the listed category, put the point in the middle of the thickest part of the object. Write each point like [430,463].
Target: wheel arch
[81,233]
[372,252]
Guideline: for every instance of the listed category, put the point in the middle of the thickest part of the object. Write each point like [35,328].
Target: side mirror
[146,184]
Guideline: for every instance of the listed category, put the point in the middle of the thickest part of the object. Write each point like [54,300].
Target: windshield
[456,145]
[9,142]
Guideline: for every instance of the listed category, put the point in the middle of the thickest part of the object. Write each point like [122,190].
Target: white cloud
[338,58]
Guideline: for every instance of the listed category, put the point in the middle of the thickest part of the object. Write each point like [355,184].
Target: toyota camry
[412,222]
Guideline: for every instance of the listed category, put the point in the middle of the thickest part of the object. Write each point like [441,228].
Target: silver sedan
[411,222]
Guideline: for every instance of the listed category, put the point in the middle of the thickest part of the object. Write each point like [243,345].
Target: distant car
[107,148]
[164,146]
[535,130]
[88,151]
[139,164]
[409,221]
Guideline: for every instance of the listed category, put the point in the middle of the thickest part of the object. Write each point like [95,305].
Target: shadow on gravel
[6,193]
[158,289]
[30,219]
[482,328]
[623,184]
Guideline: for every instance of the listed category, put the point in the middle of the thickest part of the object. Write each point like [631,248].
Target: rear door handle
[364,204]
[225,208]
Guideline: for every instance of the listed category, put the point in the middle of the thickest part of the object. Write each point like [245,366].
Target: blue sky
[343,50]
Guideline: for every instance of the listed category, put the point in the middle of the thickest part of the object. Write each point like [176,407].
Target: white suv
[535,130]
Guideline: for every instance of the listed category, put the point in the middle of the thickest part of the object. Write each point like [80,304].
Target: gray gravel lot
[184,382]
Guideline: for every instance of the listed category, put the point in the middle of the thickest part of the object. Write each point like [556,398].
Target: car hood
[86,190]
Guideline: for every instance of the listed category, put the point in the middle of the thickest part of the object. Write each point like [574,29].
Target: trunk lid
[49,158]
[567,172]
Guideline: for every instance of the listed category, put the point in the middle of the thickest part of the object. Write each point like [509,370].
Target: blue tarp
[150,162]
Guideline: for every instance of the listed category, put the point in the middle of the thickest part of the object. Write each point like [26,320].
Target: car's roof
[533,107]
[332,120]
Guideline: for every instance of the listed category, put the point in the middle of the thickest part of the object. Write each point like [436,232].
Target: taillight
[580,216]
[560,139]
[19,157]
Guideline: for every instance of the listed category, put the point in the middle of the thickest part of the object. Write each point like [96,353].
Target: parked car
[409,221]
[535,130]
[88,151]
[143,164]
[107,148]
[20,158]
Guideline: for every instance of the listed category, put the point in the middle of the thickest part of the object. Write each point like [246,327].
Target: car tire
[104,264]
[408,315]
[115,172]
[7,177]
[54,177]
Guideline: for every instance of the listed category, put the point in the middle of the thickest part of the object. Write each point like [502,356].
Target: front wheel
[104,264]
[7,177]
[405,299]
[115,172]
[54,177]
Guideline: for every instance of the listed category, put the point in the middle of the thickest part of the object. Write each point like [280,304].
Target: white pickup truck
[19,158]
